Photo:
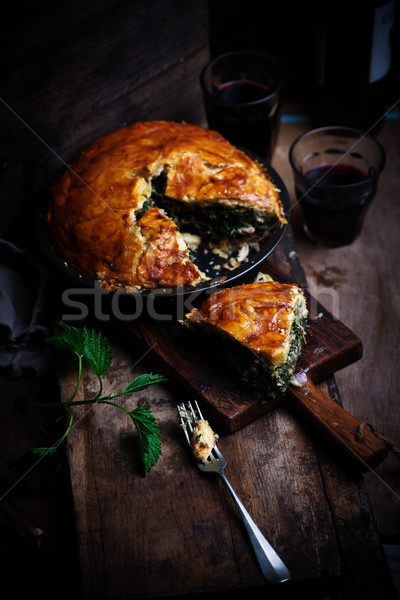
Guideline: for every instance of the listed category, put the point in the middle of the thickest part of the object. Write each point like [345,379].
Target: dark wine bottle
[352,65]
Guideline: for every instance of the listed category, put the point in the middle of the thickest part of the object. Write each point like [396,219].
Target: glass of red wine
[336,171]
[241,94]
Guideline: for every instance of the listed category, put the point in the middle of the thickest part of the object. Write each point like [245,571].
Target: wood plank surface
[177,532]
[359,284]
[74,71]
[319,521]
[330,346]
[195,362]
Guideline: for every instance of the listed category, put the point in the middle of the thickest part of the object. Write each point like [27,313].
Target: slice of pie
[261,326]
[99,214]
[165,260]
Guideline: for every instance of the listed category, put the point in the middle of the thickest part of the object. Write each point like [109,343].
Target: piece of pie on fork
[211,460]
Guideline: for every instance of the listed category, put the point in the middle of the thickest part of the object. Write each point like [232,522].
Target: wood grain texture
[75,72]
[177,531]
[359,284]
[338,426]
[196,363]
[312,508]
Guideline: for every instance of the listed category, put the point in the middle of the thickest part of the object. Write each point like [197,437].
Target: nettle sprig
[93,348]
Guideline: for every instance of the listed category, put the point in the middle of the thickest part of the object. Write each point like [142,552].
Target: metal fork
[272,567]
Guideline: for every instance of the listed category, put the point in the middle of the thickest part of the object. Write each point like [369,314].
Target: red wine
[336,174]
[334,199]
[242,91]
[248,115]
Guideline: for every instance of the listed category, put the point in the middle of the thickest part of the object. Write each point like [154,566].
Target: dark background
[329,39]
[74,70]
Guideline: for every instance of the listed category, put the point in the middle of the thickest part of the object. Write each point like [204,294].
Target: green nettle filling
[217,221]
[253,371]
[212,221]
[262,376]
[285,372]
[149,203]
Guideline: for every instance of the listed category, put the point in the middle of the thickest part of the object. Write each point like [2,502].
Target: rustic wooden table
[359,284]
[176,532]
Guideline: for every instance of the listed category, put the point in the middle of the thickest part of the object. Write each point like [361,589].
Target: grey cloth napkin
[22,302]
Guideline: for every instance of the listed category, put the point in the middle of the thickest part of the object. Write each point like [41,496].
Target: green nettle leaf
[149,436]
[95,348]
[72,339]
[97,351]
[141,382]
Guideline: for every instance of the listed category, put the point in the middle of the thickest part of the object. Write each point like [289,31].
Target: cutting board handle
[336,424]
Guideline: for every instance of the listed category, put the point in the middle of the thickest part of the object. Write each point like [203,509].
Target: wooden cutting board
[194,363]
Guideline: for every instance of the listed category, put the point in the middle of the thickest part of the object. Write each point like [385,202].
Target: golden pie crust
[97,216]
[258,315]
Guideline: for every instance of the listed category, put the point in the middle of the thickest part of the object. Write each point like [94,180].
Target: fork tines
[189,417]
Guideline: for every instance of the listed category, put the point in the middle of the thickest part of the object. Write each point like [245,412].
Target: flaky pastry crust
[94,217]
[258,315]
[165,261]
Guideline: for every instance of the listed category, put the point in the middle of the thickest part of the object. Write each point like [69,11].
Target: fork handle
[272,567]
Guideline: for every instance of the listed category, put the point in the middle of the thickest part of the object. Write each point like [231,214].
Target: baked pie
[262,327]
[117,214]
